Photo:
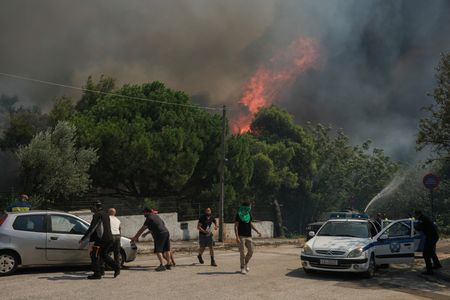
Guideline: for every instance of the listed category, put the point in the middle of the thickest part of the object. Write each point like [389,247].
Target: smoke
[378,56]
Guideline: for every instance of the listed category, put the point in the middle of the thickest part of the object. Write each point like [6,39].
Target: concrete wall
[178,230]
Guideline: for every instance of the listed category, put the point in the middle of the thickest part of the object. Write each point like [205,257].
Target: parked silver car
[45,238]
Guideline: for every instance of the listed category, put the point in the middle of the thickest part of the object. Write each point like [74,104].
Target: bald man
[115,230]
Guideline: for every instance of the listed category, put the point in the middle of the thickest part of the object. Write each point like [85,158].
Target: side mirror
[311,234]
[383,237]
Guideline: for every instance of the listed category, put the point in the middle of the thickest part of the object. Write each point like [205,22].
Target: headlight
[356,252]
[307,250]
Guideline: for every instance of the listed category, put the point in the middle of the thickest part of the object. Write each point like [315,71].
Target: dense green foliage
[53,168]
[160,150]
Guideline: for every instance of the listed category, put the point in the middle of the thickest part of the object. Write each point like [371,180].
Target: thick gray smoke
[378,57]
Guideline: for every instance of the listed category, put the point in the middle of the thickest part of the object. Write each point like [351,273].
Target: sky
[375,61]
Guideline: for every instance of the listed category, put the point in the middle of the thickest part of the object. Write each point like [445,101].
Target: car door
[395,243]
[63,236]
[28,237]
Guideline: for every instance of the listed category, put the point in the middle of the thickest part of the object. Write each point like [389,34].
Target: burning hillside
[273,77]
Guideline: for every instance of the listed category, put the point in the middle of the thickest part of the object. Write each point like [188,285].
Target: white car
[44,238]
[355,245]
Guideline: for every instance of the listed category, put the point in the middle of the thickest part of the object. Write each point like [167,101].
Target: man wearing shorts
[205,236]
[161,238]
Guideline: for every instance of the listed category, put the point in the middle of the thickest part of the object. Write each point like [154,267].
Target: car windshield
[349,229]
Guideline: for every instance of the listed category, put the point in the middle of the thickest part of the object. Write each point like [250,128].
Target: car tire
[9,261]
[371,269]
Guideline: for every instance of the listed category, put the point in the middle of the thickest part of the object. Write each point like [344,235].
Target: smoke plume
[377,57]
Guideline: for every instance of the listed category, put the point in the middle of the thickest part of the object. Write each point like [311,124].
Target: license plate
[330,262]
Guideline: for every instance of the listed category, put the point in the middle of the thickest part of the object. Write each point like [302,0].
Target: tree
[291,151]
[348,176]
[24,123]
[63,109]
[434,130]
[53,168]
[94,91]
[151,149]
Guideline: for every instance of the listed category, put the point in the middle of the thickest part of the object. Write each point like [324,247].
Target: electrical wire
[107,93]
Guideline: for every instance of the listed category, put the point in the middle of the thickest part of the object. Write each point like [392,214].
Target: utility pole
[222,176]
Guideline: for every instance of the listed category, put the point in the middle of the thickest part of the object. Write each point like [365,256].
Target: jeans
[246,242]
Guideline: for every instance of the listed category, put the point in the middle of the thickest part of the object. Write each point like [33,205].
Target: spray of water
[398,179]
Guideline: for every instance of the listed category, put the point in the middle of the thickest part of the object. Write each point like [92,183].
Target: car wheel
[371,269]
[9,261]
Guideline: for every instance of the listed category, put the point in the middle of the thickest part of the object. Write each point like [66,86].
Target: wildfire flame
[273,77]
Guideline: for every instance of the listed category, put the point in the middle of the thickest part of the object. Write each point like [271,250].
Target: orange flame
[270,79]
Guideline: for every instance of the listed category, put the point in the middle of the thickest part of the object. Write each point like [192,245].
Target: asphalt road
[274,274]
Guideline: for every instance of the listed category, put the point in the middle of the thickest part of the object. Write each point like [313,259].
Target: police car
[355,245]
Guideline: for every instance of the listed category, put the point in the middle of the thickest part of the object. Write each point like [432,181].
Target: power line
[105,93]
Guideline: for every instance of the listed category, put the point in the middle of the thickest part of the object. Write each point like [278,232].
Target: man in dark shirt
[161,238]
[205,235]
[431,238]
[243,227]
[99,232]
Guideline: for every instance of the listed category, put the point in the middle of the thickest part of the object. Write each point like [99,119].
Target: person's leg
[436,263]
[427,257]
[166,255]
[104,254]
[249,246]
[160,257]
[116,249]
[211,253]
[172,259]
[202,246]
[95,262]
[242,252]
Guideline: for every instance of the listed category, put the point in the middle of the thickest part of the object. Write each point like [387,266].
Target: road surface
[274,274]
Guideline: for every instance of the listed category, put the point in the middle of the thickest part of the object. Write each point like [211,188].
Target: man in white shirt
[115,230]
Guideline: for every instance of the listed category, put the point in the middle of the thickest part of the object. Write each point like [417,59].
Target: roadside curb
[147,247]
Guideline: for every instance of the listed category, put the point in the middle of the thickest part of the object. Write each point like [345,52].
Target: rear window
[34,223]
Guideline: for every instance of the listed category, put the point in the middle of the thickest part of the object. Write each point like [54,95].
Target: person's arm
[254,228]
[92,227]
[215,224]
[138,234]
[236,232]
[199,227]
[146,233]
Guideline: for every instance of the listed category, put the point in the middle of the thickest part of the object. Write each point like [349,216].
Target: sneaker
[168,267]
[427,273]
[243,271]
[437,267]
[94,277]
[247,268]
[213,263]
[160,268]
[200,259]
